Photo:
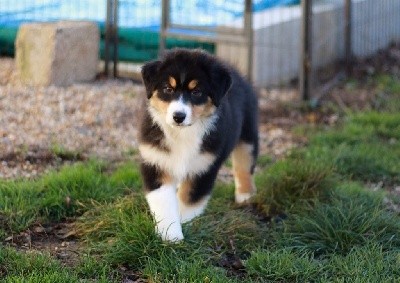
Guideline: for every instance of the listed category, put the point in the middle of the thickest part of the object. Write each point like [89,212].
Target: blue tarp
[132,13]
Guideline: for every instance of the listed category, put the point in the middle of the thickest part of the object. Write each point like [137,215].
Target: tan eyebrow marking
[192,84]
[172,82]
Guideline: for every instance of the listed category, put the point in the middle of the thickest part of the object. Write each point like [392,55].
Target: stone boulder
[59,54]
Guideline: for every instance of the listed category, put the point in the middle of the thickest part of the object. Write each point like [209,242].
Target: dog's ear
[149,72]
[221,81]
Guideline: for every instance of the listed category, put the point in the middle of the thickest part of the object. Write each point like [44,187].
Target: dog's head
[185,86]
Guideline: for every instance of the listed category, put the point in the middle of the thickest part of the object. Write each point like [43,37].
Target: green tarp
[135,45]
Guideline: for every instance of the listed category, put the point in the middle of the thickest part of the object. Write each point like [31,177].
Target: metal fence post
[107,38]
[348,38]
[248,27]
[115,37]
[306,55]
[111,37]
[164,25]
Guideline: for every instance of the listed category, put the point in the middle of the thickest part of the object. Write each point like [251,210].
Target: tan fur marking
[172,82]
[157,103]
[242,161]
[246,182]
[205,110]
[166,178]
[184,191]
[192,84]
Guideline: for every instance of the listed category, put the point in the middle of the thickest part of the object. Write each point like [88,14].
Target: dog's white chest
[184,158]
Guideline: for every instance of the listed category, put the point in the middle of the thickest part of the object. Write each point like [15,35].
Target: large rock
[58,53]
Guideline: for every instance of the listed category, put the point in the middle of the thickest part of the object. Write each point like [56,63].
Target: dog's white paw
[241,198]
[172,233]
[163,205]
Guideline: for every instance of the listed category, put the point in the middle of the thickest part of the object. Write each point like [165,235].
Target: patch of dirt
[233,265]
[386,61]
[56,239]
[33,161]
[363,96]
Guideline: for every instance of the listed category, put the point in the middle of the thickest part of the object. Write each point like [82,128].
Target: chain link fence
[339,33]
[277,43]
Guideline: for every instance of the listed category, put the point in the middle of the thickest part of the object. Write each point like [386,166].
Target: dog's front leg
[163,203]
[194,194]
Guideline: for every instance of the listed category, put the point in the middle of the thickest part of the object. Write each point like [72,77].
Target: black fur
[151,133]
[151,175]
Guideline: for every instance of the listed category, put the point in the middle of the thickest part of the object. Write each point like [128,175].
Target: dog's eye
[168,90]
[196,93]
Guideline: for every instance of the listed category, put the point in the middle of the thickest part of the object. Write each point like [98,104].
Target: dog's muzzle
[179,113]
[179,117]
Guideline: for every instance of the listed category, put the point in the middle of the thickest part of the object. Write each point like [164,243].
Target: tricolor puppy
[199,111]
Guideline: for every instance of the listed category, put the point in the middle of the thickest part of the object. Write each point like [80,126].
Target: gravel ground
[93,119]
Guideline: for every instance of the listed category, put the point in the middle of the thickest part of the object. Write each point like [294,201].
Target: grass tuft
[369,263]
[352,218]
[184,269]
[123,232]
[234,231]
[290,184]
[282,265]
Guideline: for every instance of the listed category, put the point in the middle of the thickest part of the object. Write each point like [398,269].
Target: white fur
[184,158]
[242,197]
[180,162]
[179,106]
[188,212]
[163,205]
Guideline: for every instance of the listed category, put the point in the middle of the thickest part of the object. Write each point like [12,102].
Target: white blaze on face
[179,106]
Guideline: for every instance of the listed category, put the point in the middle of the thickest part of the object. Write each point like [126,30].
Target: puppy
[198,112]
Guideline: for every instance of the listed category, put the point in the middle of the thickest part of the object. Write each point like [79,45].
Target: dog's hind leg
[194,193]
[243,161]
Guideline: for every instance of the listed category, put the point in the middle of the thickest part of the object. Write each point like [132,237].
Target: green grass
[290,184]
[361,264]
[366,147]
[314,218]
[38,267]
[57,195]
[352,218]
[64,153]
[282,265]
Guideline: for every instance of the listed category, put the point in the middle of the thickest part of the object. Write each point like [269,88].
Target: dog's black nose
[178,117]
